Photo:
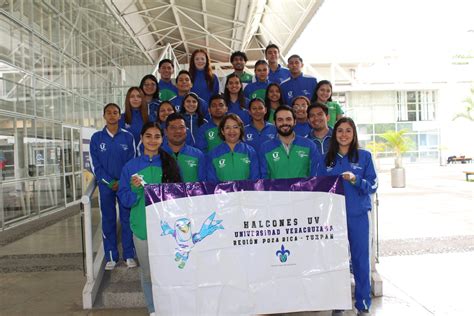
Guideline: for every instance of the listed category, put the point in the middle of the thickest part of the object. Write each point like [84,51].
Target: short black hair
[295,56]
[108,105]
[284,108]
[164,61]
[271,46]
[316,105]
[238,54]
[182,72]
[173,117]
[217,97]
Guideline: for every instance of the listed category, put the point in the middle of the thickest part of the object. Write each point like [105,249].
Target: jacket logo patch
[249,137]
[222,163]
[124,147]
[355,166]
[276,156]
[102,147]
[211,135]
[246,160]
[301,154]
[191,163]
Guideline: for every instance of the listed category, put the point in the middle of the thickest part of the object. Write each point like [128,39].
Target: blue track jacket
[279,75]
[109,154]
[256,138]
[358,200]
[200,86]
[301,85]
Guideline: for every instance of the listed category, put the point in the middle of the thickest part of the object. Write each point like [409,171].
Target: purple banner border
[155,193]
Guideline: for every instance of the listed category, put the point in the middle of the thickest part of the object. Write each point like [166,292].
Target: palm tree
[375,148]
[469,108]
[397,142]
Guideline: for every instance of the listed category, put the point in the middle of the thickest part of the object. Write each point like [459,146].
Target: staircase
[120,288]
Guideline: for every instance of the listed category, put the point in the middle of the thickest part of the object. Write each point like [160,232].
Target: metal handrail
[87,215]
[94,267]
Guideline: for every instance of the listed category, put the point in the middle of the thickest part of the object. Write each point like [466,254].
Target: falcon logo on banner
[185,239]
[248,247]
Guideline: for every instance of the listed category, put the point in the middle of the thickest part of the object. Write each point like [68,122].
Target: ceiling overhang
[219,26]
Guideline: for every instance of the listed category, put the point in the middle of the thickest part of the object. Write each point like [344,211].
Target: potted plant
[397,142]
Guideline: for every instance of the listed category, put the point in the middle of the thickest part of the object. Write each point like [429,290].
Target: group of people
[277,124]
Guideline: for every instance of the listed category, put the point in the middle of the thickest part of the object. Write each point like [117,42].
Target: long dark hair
[240,98]
[156,95]
[169,166]
[208,74]
[200,116]
[128,106]
[319,85]
[268,103]
[353,153]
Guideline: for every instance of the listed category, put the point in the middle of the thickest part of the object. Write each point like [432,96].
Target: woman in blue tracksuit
[360,181]
[151,90]
[233,159]
[136,112]
[258,88]
[192,113]
[259,130]
[205,82]
[154,166]
[235,99]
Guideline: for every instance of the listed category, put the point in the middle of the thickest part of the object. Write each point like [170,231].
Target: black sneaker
[364,312]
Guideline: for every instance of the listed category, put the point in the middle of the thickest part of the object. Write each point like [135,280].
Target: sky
[425,30]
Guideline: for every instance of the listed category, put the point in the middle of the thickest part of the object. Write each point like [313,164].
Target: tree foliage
[468,108]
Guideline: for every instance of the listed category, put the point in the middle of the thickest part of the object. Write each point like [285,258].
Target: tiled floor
[430,222]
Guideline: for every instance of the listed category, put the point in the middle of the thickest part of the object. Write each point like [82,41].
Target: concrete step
[122,273]
[120,288]
[123,295]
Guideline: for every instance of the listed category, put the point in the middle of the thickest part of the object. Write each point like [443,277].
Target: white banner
[237,252]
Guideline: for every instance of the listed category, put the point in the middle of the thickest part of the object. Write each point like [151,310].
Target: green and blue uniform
[225,164]
[167,90]
[256,89]
[208,137]
[191,162]
[300,162]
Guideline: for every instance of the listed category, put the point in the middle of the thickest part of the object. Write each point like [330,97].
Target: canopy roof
[220,26]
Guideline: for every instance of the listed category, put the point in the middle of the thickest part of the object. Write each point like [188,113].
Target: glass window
[7,147]
[50,193]
[18,199]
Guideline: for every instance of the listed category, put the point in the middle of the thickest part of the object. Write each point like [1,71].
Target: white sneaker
[110,265]
[131,263]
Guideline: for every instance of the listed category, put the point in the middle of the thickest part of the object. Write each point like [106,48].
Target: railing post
[86,201]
